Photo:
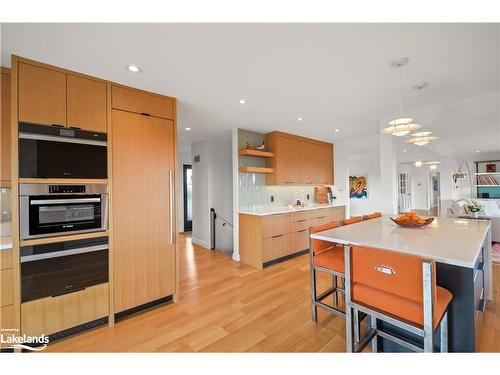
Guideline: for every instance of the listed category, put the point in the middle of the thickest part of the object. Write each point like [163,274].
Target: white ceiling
[332,75]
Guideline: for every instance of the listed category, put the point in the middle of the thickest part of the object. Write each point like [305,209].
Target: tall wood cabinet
[5,161]
[143,154]
[49,96]
[299,160]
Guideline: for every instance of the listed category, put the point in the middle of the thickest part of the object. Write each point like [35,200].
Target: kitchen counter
[285,210]
[445,240]
[462,251]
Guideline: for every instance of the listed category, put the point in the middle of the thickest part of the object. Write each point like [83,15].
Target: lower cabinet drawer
[6,259]
[6,287]
[275,247]
[7,317]
[54,314]
[299,241]
[478,287]
[274,225]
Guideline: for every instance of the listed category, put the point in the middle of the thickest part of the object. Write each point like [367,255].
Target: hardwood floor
[227,306]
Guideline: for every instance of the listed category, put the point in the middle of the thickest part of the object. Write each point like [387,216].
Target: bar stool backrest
[372,216]
[395,273]
[352,220]
[320,245]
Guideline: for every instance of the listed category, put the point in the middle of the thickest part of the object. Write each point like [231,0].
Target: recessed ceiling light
[134,69]
[242,101]
[405,150]
[418,164]
[300,119]
[433,166]
[187,129]
[477,150]
[336,130]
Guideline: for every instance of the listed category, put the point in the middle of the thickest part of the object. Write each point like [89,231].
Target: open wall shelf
[255,170]
[256,153]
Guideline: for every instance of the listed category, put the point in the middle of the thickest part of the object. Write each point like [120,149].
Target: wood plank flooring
[227,306]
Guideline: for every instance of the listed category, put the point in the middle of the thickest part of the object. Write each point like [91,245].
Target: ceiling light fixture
[336,130]
[300,119]
[477,150]
[242,101]
[187,129]
[402,125]
[433,166]
[418,164]
[419,139]
[134,68]
[405,150]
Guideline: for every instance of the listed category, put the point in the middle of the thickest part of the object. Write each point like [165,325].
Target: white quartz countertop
[287,209]
[445,240]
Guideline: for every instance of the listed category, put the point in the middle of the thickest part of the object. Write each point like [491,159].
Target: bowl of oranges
[412,220]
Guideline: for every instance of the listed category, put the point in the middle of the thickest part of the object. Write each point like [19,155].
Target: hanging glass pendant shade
[401,126]
[422,138]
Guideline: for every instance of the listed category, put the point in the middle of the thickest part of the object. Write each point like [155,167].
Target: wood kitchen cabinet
[299,160]
[5,175]
[86,103]
[57,97]
[142,102]
[42,95]
[265,239]
[143,163]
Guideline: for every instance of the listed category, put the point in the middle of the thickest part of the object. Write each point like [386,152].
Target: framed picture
[358,187]
[491,168]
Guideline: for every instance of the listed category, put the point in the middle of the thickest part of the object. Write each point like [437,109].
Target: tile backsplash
[5,205]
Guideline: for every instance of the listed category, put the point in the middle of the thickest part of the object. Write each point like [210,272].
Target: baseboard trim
[286,257]
[143,307]
[201,243]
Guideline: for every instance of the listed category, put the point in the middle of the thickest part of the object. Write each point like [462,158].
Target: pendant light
[422,137]
[403,125]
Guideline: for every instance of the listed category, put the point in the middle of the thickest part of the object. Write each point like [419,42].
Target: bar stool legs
[335,295]
[372,324]
[443,328]
[314,308]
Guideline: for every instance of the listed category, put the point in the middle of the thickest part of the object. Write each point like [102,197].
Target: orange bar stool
[352,220]
[396,288]
[372,216]
[326,257]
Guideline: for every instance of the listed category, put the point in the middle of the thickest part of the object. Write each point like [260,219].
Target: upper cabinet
[56,97]
[86,103]
[299,160]
[5,128]
[141,102]
[42,95]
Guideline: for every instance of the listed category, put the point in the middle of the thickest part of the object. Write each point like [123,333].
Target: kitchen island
[462,251]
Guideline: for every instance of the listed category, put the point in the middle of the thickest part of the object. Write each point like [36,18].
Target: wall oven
[57,152]
[48,210]
[50,270]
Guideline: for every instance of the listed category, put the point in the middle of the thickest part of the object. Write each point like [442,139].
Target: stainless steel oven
[48,210]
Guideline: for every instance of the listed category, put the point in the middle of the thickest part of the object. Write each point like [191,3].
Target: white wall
[420,187]
[183,157]
[213,188]
[371,168]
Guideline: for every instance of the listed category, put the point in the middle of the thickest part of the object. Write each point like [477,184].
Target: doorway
[188,197]
[405,192]
[434,194]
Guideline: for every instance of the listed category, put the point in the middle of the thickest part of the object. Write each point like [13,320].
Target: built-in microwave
[57,152]
[51,210]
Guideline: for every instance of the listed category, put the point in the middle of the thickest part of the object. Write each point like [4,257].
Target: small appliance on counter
[48,210]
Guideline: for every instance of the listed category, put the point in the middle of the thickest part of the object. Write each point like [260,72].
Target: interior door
[188,197]
[405,201]
[143,237]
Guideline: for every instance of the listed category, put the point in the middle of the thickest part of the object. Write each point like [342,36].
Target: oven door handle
[37,202]
[64,253]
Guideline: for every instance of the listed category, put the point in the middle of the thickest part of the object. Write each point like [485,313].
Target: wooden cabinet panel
[299,240]
[6,259]
[276,247]
[274,225]
[54,314]
[7,317]
[6,287]
[86,101]
[42,95]
[141,102]
[5,128]
[299,160]
[144,257]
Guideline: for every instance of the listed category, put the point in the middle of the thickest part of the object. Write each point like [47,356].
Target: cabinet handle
[75,127]
[301,221]
[171,205]
[278,235]
[321,217]
[69,291]
[145,114]
[303,230]
[58,126]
